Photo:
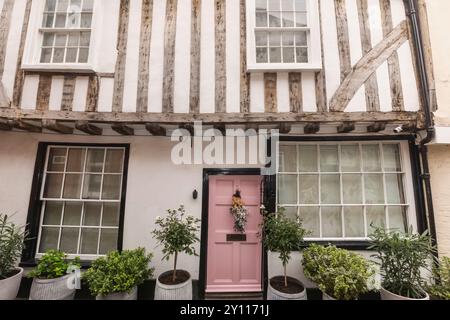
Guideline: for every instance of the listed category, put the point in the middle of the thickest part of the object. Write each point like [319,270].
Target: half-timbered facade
[91,91]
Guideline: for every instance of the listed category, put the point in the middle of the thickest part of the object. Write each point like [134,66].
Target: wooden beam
[169,56]
[92,94]
[245,76]
[5,24]
[26,126]
[156,130]
[222,128]
[89,128]
[270,92]
[123,129]
[68,92]
[367,66]
[5,125]
[320,77]
[196,24]
[43,93]
[285,128]
[346,127]
[343,38]
[144,55]
[221,56]
[56,126]
[376,127]
[312,128]
[295,91]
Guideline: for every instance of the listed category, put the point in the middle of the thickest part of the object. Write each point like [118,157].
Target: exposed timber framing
[156,130]
[43,94]
[26,126]
[245,76]
[367,66]
[92,93]
[5,24]
[89,128]
[346,127]
[221,56]
[311,128]
[320,77]
[270,92]
[68,92]
[285,128]
[144,55]
[343,38]
[56,126]
[169,56]
[295,92]
[5,125]
[196,23]
[376,127]
[123,129]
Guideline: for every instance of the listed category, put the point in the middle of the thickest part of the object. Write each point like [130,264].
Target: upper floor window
[66,29]
[283,34]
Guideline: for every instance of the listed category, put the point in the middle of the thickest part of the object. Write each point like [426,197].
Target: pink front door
[234,259]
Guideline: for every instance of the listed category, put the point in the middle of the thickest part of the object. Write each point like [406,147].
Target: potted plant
[283,235]
[53,277]
[402,258]
[339,274]
[177,233]
[117,276]
[11,244]
[440,289]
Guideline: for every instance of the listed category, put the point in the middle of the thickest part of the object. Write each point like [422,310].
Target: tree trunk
[285,275]
[174,275]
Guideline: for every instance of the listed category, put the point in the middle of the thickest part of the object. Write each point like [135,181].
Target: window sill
[344,244]
[82,68]
[283,67]
[34,262]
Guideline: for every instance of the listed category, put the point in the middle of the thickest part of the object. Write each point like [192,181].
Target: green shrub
[402,258]
[441,274]
[52,265]
[118,272]
[341,274]
[12,240]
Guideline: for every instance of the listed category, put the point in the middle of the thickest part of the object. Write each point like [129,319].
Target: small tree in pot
[283,235]
[12,239]
[177,233]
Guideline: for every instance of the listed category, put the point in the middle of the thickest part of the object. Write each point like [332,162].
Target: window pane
[261,19]
[331,222]
[300,5]
[75,161]
[301,39]
[288,55]
[371,158]
[108,240]
[261,39]
[114,161]
[60,40]
[261,55]
[50,5]
[274,19]
[330,189]
[83,55]
[46,55]
[49,239]
[354,222]
[60,21]
[261,4]
[92,213]
[72,186]
[288,39]
[275,55]
[56,159]
[111,213]
[288,19]
[89,241]
[392,158]
[48,39]
[352,189]
[309,189]
[58,55]
[301,20]
[72,213]
[329,159]
[274,5]
[288,159]
[287,5]
[302,55]
[95,158]
[73,21]
[373,186]
[310,219]
[350,161]
[376,217]
[398,218]
[71,55]
[69,240]
[53,184]
[52,214]
[291,212]
[63,5]
[91,187]
[85,38]
[287,189]
[86,19]
[88,5]
[48,20]
[111,187]
[75,5]
[394,189]
[74,39]
[308,158]
[275,39]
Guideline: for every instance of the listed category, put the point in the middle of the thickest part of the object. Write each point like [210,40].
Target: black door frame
[205,215]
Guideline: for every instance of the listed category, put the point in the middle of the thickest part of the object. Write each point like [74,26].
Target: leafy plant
[441,274]
[12,239]
[53,264]
[119,271]
[283,235]
[341,274]
[177,233]
[402,258]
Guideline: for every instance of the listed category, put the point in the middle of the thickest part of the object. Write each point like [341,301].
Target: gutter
[411,11]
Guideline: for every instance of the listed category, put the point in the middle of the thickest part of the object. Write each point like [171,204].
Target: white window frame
[314,42]
[408,184]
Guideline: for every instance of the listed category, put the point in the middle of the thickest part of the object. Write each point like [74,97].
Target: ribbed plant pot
[387,295]
[327,297]
[182,291]
[132,295]
[273,294]
[52,289]
[9,287]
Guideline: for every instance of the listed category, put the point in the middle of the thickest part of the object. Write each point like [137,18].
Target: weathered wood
[5,125]
[43,93]
[343,38]
[144,55]
[393,61]
[196,24]
[68,92]
[221,56]
[365,67]
[123,129]
[56,126]
[20,77]
[320,77]
[92,93]
[311,128]
[285,128]
[222,128]
[295,92]
[122,40]
[245,76]
[376,127]
[89,128]
[270,92]
[371,85]
[4,100]
[346,127]
[5,24]
[26,126]
[156,130]
[169,56]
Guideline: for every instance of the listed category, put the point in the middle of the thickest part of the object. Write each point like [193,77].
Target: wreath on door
[239,212]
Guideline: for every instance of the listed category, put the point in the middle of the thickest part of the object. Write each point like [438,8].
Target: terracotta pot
[182,291]
[9,287]
[273,294]
[387,295]
[52,289]
[132,295]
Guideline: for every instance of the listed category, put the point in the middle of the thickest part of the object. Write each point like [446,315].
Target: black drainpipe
[411,11]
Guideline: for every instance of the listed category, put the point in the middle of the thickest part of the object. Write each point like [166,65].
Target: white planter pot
[9,288]
[273,294]
[182,291]
[132,295]
[387,295]
[52,289]
[326,297]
